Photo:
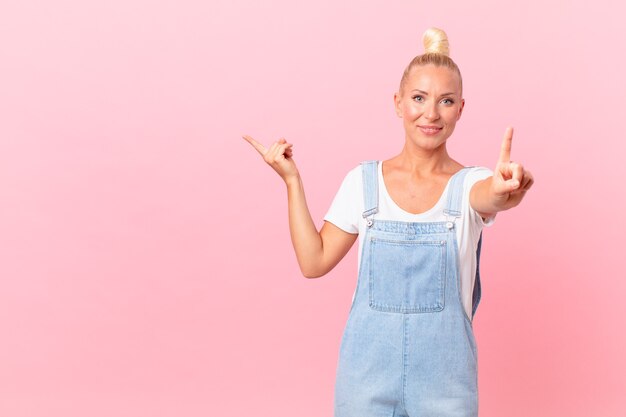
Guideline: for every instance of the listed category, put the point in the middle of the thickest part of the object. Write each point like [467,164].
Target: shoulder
[352,183]
[475,174]
[345,209]
[354,177]
[478,172]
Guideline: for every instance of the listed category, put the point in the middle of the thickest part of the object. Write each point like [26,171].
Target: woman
[408,348]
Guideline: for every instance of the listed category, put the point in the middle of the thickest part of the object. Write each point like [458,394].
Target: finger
[505,150]
[505,186]
[270,155]
[517,172]
[504,170]
[260,148]
[276,151]
[281,150]
[511,185]
[529,180]
[525,183]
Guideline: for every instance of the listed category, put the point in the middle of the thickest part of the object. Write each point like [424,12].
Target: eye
[419,99]
[447,101]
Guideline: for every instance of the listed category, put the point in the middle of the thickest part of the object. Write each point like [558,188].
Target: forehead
[433,79]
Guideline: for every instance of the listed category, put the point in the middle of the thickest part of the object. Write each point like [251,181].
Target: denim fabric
[408,348]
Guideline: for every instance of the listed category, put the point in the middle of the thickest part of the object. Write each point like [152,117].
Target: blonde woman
[408,348]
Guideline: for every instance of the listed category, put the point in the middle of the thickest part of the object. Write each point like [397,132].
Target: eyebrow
[425,93]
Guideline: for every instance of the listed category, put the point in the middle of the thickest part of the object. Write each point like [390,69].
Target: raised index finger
[505,151]
[260,148]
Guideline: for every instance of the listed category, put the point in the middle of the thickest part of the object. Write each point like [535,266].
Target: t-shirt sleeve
[344,210]
[473,176]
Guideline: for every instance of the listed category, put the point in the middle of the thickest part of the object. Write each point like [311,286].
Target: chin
[431,141]
[429,145]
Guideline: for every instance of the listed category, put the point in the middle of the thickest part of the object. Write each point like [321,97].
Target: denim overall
[408,347]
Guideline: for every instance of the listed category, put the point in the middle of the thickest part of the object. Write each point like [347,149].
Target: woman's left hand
[510,179]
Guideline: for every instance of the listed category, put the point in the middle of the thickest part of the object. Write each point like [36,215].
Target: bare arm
[317,252]
[506,188]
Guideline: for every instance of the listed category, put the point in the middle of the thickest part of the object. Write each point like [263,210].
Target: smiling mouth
[430,130]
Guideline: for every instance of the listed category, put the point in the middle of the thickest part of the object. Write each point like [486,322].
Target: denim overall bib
[408,347]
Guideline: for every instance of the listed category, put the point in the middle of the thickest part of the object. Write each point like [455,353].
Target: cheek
[452,116]
[411,112]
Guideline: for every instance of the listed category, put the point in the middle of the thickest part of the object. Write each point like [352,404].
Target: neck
[425,161]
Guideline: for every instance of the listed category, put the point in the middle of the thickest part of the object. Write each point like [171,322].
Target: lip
[430,130]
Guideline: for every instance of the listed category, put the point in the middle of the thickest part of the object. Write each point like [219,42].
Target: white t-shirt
[346,212]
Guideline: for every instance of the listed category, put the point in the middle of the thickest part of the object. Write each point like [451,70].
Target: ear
[397,103]
[461,109]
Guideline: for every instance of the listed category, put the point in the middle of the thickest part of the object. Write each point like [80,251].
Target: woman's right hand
[279,156]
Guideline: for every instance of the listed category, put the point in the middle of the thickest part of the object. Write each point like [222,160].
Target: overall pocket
[407,276]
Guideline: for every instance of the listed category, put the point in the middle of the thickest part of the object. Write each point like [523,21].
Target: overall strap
[370,188]
[455,194]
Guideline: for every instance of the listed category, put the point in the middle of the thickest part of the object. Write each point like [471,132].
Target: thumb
[502,186]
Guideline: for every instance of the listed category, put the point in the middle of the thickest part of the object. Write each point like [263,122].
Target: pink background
[145,261]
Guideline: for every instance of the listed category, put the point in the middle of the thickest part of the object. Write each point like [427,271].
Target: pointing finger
[259,147]
[505,151]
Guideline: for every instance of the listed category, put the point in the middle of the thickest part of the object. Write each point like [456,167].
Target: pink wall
[145,261]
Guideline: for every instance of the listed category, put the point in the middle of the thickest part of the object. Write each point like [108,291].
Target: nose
[431,112]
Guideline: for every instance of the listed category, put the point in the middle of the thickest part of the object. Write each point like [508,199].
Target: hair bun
[436,41]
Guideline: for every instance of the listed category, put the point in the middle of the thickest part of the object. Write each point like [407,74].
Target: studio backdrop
[146,267]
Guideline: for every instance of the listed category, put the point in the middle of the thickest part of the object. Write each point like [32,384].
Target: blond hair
[436,52]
